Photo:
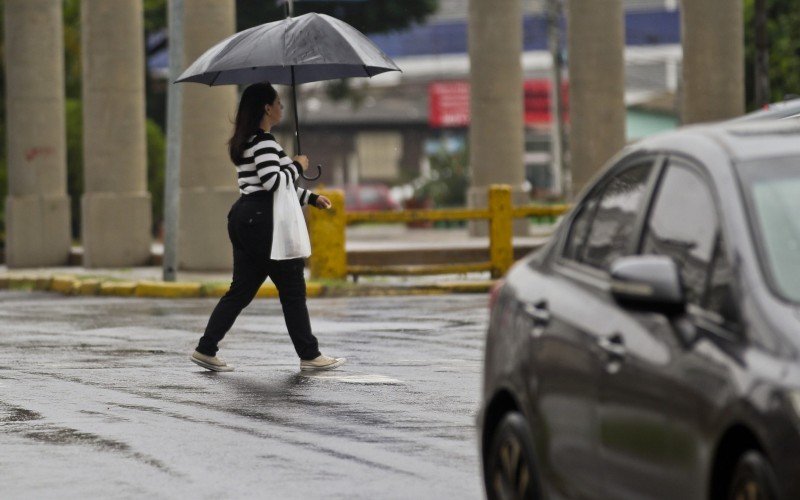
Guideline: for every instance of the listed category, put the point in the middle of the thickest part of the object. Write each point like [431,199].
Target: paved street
[98,399]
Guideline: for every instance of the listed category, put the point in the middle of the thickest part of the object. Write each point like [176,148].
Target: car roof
[741,141]
[775,111]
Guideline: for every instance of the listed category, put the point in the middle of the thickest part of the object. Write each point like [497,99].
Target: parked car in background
[652,348]
[372,196]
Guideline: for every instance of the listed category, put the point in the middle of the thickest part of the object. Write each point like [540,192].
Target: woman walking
[263,169]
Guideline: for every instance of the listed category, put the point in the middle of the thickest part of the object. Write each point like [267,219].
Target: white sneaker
[321,363]
[212,363]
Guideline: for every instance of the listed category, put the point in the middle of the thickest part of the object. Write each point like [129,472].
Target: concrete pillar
[596,34]
[37,209]
[713,60]
[116,208]
[208,183]
[496,135]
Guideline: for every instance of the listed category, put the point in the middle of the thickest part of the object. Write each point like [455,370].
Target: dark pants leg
[250,235]
[288,278]
[248,230]
[247,279]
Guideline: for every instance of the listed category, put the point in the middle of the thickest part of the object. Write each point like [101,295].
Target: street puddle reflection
[353,378]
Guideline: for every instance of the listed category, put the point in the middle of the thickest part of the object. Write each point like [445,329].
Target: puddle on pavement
[66,436]
[63,435]
[354,378]
[134,352]
[26,423]
[105,417]
[17,414]
[183,388]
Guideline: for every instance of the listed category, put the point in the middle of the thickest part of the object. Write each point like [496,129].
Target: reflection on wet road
[98,399]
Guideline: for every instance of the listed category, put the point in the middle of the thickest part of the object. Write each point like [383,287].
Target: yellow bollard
[501,249]
[327,232]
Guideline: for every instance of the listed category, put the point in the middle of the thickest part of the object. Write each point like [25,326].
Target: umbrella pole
[296,121]
[297,149]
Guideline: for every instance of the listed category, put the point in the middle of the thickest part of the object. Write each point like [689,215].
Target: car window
[580,225]
[612,228]
[718,289]
[370,195]
[683,225]
[350,197]
[772,188]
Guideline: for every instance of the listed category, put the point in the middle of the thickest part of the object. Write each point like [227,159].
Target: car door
[566,317]
[652,401]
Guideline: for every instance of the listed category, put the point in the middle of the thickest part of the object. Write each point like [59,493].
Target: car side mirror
[648,282]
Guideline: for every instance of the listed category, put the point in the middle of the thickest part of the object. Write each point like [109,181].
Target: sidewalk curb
[118,288]
[167,290]
[64,284]
[74,285]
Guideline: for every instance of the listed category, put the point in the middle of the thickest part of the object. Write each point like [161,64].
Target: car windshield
[773,190]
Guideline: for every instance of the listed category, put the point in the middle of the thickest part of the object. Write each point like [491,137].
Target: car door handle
[538,312]
[614,346]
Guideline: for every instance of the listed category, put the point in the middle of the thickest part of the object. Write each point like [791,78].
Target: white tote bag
[289,233]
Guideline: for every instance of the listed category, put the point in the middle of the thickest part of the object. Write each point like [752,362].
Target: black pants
[250,232]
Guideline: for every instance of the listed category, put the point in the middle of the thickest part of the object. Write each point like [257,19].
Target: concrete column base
[116,229]
[37,231]
[477,197]
[203,243]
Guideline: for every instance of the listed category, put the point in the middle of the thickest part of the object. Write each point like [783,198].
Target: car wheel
[510,466]
[753,479]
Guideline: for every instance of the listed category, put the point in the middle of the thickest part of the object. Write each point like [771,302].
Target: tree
[155,15]
[72,48]
[155,18]
[783,24]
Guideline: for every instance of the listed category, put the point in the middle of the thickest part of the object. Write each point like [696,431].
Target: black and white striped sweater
[266,167]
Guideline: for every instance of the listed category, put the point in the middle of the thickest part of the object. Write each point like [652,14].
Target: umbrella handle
[319,173]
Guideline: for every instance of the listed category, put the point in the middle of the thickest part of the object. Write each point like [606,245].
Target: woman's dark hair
[248,116]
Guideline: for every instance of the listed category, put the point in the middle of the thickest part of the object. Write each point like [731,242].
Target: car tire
[753,479]
[510,472]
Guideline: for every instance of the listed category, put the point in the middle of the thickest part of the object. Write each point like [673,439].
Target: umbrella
[308,48]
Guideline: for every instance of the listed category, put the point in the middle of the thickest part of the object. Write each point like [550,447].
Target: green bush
[75,162]
[449,181]
[3,190]
[156,151]
[156,165]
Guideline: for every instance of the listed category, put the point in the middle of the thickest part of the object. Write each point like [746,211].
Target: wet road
[98,399]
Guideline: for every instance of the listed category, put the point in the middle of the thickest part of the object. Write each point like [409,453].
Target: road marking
[359,378]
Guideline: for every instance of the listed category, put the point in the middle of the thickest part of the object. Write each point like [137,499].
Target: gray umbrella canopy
[309,48]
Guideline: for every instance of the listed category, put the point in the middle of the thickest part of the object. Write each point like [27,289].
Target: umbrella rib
[283,52]
[215,78]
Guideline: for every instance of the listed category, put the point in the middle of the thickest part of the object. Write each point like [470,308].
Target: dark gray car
[789,108]
[651,349]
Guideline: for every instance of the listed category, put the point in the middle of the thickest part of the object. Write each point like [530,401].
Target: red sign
[449,103]
[537,101]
